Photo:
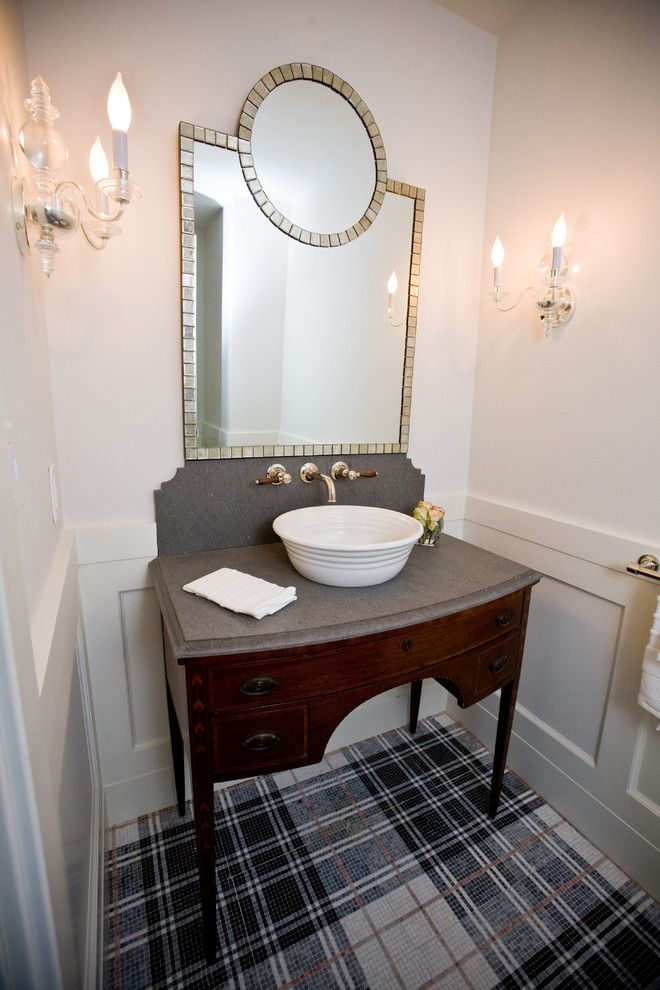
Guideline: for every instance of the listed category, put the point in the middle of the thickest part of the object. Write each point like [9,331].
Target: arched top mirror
[287,350]
[312,155]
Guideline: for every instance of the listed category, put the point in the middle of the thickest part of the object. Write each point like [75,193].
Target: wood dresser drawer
[259,740]
[237,682]
[497,665]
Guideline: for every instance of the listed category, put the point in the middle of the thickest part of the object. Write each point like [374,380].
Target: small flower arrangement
[431,517]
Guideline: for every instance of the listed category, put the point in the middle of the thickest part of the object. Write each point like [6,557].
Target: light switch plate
[54,500]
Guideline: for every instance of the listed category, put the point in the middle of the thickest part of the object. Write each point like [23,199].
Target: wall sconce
[42,212]
[556,304]
[392,287]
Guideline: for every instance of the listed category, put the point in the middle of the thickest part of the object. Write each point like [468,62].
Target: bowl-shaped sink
[348,546]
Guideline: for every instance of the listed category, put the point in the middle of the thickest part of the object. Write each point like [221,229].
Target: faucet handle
[276,474]
[341,470]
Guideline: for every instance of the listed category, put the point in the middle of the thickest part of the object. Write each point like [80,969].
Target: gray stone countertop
[436,581]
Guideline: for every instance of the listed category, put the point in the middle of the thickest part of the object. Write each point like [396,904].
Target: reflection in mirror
[294,345]
[313,156]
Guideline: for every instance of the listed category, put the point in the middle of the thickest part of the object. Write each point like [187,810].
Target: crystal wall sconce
[45,209]
[555,304]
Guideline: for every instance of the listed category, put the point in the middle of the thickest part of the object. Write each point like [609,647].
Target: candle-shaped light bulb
[558,238]
[119,105]
[497,257]
[119,112]
[98,162]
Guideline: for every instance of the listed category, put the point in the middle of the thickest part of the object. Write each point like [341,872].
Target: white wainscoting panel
[574,634]
[143,659]
[645,773]
[580,738]
[125,656]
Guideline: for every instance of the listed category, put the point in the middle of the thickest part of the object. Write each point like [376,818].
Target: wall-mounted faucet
[309,472]
[341,470]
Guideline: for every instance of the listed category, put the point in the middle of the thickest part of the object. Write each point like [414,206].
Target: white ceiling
[491,15]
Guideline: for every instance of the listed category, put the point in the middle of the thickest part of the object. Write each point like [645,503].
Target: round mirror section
[312,155]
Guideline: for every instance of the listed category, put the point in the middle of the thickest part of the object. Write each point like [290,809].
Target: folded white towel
[242,592]
[649,689]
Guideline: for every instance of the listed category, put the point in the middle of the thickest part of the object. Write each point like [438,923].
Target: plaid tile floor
[379,869]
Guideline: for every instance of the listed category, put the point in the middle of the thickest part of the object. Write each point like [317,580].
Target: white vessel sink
[348,546]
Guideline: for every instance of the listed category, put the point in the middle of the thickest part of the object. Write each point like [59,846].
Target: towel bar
[646,566]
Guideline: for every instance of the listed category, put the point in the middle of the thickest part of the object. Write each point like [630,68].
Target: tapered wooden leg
[176,741]
[504,723]
[505,718]
[202,780]
[203,806]
[415,698]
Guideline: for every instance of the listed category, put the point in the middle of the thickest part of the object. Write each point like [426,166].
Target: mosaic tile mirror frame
[194,136]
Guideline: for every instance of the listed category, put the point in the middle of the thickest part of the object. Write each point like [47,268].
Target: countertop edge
[263,641]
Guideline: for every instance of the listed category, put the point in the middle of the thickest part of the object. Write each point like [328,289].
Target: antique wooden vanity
[250,697]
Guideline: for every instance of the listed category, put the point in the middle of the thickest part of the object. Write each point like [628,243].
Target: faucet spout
[309,472]
[330,485]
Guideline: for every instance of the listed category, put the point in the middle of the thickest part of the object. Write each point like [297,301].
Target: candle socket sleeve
[556,258]
[120,150]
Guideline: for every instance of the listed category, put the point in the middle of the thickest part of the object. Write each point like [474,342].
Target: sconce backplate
[20,217]
[556,307]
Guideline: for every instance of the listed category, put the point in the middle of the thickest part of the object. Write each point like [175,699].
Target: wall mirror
[292,343]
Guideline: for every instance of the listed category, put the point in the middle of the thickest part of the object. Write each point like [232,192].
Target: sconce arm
[97,244]
[103,217]
[505,309]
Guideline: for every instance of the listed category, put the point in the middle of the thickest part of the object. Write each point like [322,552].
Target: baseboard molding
[619,841]
[94,926]
[126,800]
[93,976]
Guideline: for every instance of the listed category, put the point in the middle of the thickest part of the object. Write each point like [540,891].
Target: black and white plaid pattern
[379,869]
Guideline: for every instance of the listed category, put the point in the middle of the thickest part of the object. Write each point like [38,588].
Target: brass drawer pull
[261,740]
[496,665]
[504,618]
[258,685]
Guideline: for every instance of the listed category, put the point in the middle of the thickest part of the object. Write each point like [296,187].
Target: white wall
[47,789]
[569,427]
[565,443]
[114,318]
